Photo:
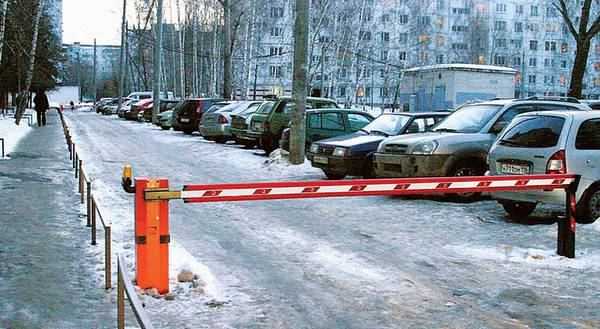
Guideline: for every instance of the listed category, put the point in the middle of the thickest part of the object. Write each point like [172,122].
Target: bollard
[107,261]
[93,210]
[81,181]
[152,236]
[74,157]
[566,224]
[89,203]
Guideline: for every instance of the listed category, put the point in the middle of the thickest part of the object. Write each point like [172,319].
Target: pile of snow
[12,133]
[584,259]
[279,162]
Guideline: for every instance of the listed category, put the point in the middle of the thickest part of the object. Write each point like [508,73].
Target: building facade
[360,49]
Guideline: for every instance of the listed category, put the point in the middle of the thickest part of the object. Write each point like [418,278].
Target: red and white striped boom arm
[348,188]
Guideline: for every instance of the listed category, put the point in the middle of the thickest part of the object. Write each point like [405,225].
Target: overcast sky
[85,19]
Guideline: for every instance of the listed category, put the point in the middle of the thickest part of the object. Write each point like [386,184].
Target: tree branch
[562,8]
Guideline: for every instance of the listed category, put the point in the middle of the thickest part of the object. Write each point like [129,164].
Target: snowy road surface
[373,262]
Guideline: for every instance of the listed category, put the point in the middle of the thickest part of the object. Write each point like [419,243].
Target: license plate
[320,159]
[257,125]
[210,121]
[185,120]
[509,168]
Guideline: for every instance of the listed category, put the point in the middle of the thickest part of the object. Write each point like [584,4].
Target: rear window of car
[265,108]
[534,132]
[328,121]
[588,136]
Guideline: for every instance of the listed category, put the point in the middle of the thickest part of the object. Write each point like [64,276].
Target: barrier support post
[566,224]
[81,181]
[152,236]
[93,211]
[74,155]
[89,203]
[107,258]
[120,299]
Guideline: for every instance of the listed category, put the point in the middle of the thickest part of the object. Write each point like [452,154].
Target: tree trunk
[24,93]
[226,49]
[157,61]
[579,66]
[298,124]
[181,53]
[3,26]
[122,56]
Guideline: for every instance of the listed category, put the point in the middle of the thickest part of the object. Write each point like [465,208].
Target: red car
[136,110]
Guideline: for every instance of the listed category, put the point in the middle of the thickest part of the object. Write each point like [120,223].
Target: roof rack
[552,98]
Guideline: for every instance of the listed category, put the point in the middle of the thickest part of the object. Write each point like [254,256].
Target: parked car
[216,125]
[112,107]
[165,105]
[268,127]
[594,104]
[136,111]
[323,124]
[550,143]
[460,144]
[102,103]
[165,119]
[241,122]
[352,155]
[187,117]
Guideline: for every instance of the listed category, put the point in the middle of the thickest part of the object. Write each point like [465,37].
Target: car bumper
[254,135]
[350,166]
[240,134]
[223,130]
[391,165]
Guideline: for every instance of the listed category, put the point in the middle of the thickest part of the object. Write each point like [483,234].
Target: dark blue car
[352,154]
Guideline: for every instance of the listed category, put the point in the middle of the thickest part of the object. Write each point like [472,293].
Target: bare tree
[583,37]
[25,92]
[157,61]
[3,26]
[122,56]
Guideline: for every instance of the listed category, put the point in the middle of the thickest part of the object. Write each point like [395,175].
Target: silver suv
[459,145]
[550,143]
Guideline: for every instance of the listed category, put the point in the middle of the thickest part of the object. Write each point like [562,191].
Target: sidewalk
[48,275]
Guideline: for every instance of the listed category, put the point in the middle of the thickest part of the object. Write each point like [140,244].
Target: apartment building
[360,49]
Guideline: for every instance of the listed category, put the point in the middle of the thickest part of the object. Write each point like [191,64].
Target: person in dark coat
[41,106]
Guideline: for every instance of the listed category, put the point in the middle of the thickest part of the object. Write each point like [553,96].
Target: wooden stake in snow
[23,95]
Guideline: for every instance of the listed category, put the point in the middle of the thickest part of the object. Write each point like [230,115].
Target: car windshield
[215,108]
[387,124]
[468,119]
[230,108]
[251,109]
[265,108]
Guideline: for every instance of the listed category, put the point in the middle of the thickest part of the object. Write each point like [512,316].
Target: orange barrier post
[152,236]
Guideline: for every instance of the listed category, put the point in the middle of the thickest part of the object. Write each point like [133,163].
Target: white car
[553,142]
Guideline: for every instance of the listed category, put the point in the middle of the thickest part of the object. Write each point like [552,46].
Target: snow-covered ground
[383,262]
[12,133]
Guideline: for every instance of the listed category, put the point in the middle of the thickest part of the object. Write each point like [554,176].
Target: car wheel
[176,128]
[516,209]
[165,128]
[333,176]
[267,146]
[248,145]
[590,207]
[369,170]
[466,168]
[187,131]
[220,140]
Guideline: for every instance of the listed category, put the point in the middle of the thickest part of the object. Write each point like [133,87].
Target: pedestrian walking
[41,106]
[72,106]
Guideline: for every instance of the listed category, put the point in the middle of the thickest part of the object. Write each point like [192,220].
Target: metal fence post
[120,298]
[74,157]
[107,258]
[93,212]
[88,201]
[566,225]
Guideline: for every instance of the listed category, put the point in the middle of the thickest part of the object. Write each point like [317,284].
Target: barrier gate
[152,205]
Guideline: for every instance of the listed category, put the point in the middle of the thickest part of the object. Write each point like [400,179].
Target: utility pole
[79,70]
[24,94]
[157,61]
[122,56]
[95,68]
[298,124]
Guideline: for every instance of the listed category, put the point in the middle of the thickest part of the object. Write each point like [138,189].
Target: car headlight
[425,148]
[314,148]
[340,151]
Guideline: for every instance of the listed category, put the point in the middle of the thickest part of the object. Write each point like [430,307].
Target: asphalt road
[374,262]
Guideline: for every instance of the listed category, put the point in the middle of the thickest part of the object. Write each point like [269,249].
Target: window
[499,60]
[459,28]
[364,35]
[276,71]
[276,31]
[357,121]
[518,26]
[535,132]
[501,43]
[550,27]
[551,11]
[439,40]
[549,80]
[424,20]
[402,56]
[276,51]
[501,7]
[314,121]
[403,19]
[342,92]
[508,116]
[563,64]
[385,18]
[588,136]
[533,27]
[499,25]
[385,55]
[519,9]
[516,61]
[439,59]
[424,56]
[403,38]
[517,43]
[533,62]
[385,36]
[460,11]
[366,15]
[459,46]
[276,12]
[533,44]
[531,78]
[535,11]
[550,46]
